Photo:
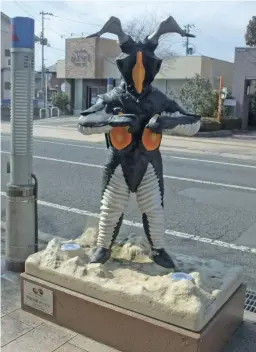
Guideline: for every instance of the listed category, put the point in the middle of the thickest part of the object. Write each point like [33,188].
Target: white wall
[180,67]
[167,85]
[5,60]
[60,69]
[110,69]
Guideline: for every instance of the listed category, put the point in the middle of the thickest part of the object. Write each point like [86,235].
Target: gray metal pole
[110,84]
[42,73]
[20,207]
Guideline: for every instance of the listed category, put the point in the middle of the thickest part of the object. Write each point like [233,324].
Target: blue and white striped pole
[20,207]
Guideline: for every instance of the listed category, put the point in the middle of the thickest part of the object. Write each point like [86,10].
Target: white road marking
[139,225]
[66,144]
[62,161]
[208,161]
[225,185]
[165,156]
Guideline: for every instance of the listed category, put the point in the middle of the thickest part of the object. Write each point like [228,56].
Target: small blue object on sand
[181,276]
[70,247]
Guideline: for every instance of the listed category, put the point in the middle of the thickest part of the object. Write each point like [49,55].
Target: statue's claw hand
[125,120]
[155,124]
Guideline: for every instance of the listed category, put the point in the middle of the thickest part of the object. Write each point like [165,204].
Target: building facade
[90,61]
[53,84]
[244,83]
[5,59]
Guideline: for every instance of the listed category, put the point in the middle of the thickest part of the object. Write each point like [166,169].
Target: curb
[215,134]
[249,317]
[221,133]
[43,237]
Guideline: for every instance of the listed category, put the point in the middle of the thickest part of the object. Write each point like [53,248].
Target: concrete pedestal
[130,303]
[132,332]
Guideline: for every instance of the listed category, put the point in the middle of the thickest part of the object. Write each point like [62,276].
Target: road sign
[22,32]
[230,102]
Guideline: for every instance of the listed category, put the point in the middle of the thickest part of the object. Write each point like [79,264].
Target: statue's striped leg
[150,202]
[114,199]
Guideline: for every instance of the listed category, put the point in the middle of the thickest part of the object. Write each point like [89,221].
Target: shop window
[94,94]
[95,91]
[102,90]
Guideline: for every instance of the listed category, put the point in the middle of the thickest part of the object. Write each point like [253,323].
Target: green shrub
[215,104]
[231,123]
[61,100]
[209,124]
[196,95]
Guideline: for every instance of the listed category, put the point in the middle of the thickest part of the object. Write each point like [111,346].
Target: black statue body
[134,116]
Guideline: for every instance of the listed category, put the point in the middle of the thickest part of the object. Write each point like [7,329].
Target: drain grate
[250,301]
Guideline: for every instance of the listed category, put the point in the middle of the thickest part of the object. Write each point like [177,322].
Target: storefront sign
[80,57]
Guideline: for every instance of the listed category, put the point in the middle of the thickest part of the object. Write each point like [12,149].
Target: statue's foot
[162,258]
[101,255]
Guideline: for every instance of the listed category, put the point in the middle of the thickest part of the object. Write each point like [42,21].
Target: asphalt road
[210,203]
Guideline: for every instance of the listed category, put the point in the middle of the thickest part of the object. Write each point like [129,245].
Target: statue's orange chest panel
[120,138]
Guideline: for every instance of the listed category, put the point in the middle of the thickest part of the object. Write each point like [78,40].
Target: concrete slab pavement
[57,132]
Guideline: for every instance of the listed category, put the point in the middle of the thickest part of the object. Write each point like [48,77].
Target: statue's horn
[167,26]
[113,26]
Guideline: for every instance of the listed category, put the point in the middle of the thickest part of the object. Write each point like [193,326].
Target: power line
[30,14]
[21,6]
[52,47]
[82,22]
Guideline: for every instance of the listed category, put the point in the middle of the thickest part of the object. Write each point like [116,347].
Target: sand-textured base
[130,280]
[127,331]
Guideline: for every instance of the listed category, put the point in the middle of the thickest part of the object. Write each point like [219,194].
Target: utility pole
[188,49]
[43,42]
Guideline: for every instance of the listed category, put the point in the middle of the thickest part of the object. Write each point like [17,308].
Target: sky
[219,26]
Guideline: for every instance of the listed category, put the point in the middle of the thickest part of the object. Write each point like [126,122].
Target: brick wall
[76,67]
[105,48]
[97,49]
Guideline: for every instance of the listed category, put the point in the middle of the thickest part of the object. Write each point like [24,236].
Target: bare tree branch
[139,28]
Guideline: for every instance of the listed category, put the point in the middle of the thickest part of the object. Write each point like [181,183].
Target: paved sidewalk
[24,332]
[233,147]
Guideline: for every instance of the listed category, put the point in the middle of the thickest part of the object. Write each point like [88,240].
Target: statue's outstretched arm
[174,120]
[101,118]
[94,120]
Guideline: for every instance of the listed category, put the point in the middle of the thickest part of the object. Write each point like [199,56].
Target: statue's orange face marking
[138,72]
[151,140]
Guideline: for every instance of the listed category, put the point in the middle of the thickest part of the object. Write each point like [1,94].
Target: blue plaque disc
[70,246]
[181,276]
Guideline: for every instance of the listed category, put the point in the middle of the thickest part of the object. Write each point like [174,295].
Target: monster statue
[133,117]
